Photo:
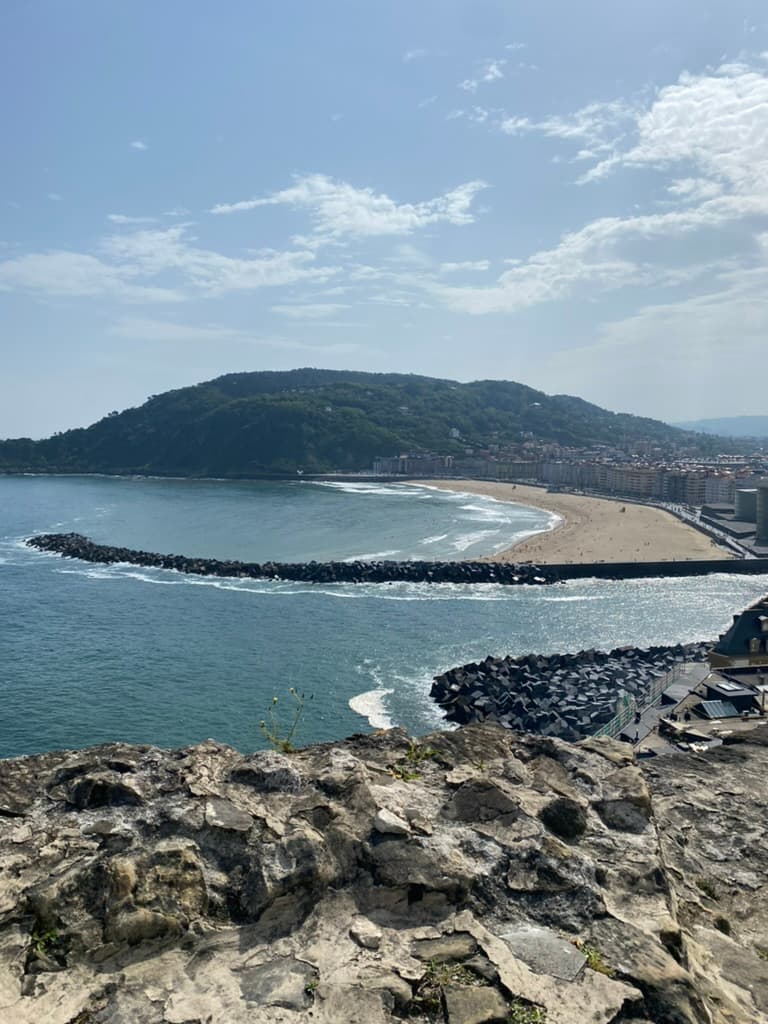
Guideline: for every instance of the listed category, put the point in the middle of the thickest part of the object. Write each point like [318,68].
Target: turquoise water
[91,653]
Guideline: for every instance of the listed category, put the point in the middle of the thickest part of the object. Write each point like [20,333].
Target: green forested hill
[247,424]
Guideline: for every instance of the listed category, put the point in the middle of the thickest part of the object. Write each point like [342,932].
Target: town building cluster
[642,471]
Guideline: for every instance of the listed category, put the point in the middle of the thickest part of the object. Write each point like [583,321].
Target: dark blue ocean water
[91,653]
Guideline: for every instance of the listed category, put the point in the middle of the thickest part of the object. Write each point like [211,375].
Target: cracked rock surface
[474,876]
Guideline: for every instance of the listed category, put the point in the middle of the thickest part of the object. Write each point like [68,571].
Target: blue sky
[574,196]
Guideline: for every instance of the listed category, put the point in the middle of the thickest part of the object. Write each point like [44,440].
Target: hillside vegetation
[247,424]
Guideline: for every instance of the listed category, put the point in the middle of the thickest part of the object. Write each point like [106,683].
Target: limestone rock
[141,886]
[285,982]
[626,802]
[390,824]
[474,1005]
[270,772]
[458,946]
[565,817]
[366,934]
[103,789]
[226,815]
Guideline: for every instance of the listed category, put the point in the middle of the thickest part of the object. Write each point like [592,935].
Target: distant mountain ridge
[252,424]
[730,426]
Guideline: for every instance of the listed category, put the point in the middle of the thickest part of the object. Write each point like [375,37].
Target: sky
[573,196]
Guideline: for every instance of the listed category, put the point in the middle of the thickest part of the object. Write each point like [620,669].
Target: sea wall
[74,545]
[643,570]
[570,696]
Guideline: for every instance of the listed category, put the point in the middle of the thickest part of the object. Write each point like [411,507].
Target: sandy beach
[593,529]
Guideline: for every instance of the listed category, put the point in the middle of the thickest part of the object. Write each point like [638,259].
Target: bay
[91,653]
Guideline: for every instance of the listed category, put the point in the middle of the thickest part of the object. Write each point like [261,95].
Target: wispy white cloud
[63,273]
[710,338]
[597,125]
[166,331]
[410,256]
[147,329]
[717,123]
[493,70]
[156,265]
[416,54]
[121,218]
[472,265]
[488,71]
[310,310]
[170,250]
[177,211]
[694,190]
[138,144]
[606,254]
[337,208]
[54,196]
[426,102]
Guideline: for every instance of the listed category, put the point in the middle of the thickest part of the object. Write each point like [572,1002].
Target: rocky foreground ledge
[473,876]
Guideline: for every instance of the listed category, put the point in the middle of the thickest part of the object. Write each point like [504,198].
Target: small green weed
[526,1013]
[762,952]
[45,942]
[428,997]
[417,754]
[595,960]
[708,887]
[311,987]
[279,736]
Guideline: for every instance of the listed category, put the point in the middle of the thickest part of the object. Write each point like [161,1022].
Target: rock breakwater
[565,695]
[472,876]
[74,545]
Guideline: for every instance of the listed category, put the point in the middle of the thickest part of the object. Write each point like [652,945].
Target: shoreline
[591,529]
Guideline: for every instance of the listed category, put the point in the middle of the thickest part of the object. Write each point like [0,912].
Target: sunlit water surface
[94,653]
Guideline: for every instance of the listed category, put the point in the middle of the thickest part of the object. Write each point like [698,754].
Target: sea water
[94,653]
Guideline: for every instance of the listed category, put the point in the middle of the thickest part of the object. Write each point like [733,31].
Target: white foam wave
[371,705]
[467,540]
[372,557]
[496,515]
[434,540]
[348,487]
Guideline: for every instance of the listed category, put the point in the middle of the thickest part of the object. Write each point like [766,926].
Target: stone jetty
[74,545]
[569,696]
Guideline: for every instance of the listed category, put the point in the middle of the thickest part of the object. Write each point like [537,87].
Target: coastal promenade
[593,530]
